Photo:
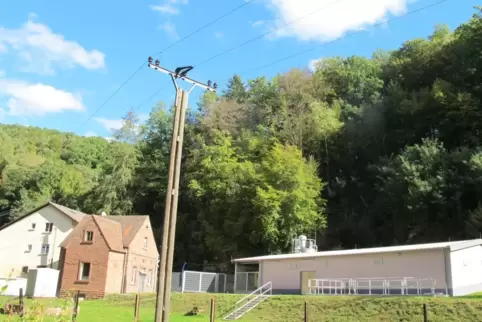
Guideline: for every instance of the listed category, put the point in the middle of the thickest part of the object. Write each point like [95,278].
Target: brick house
[109,254]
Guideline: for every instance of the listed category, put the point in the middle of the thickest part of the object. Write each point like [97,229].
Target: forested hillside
[361,152]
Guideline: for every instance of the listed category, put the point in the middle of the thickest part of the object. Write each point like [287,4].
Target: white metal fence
[246,282]
[203,282]
[373,286]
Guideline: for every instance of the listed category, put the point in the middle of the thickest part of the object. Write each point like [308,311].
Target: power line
[265,34]
[346,36]
[245,3]
[338,39]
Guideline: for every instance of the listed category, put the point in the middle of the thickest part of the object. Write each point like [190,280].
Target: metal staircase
[250,301]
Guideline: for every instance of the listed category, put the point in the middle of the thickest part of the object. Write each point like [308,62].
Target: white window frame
[145,242]
[86,239]
[49,227]
[44,250]
[29,248]
[149,278]
[81,271]
[134,275]
[33,226]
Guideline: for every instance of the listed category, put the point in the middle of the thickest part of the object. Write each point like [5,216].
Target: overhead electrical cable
[245,3]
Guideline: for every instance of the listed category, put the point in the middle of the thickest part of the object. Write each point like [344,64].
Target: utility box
[42,282]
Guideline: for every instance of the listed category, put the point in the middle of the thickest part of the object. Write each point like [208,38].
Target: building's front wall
[285,275]
[466,270]
[76,252]
[15,240]
[115,271]
[141,259]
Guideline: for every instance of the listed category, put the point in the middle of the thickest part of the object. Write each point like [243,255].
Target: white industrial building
[452,268]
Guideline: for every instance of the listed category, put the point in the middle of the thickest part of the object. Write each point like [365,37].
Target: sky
[60,61]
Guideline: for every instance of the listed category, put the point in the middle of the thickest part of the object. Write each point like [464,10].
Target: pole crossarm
[182,75]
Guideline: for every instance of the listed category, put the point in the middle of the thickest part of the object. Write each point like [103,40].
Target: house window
[48,227]
[84,273]
[29,247]
[33,226]
[145,242]
[45,249]
[25,269]
[149,278]
[134,275]
[89,236]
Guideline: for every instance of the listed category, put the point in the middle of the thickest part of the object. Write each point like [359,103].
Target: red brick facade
[78,251]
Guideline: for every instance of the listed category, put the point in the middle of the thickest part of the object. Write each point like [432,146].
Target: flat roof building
[452,268]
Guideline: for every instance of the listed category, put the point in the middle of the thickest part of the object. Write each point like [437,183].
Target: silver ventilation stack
[304,245]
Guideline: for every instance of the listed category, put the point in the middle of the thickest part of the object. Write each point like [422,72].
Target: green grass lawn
[120,308]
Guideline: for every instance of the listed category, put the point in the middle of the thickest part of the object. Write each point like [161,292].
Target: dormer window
[89,236]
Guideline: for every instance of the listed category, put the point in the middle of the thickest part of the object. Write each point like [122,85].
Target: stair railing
[259,292]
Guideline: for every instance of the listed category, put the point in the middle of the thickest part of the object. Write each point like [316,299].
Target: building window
[33,226]
[134,275]
[84,274]
[29,248]
[25,269]
[378,261]
[89,236]
[145,242]
[45,249]
[48,227]
[149,278]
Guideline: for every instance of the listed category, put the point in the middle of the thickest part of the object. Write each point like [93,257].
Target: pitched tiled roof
[130,226]
[112,232]
[73,214]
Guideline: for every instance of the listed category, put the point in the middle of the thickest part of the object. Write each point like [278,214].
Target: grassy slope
[288,308]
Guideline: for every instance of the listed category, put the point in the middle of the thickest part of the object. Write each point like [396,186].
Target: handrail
[261,295]
[252,293]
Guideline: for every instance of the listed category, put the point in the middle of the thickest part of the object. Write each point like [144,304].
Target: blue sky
[60,60]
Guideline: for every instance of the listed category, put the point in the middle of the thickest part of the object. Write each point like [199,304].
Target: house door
[142,282]
[305,277]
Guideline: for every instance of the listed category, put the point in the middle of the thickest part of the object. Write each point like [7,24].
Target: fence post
[20,302]
[425,313]
[183,281]
[200,281]
[213,310]
[76,306]
[306,312]
[136,307]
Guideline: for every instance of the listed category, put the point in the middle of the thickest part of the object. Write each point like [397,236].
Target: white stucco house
[33,240]
[451,268]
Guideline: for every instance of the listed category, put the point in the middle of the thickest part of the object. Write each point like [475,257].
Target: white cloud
[166,8]
[110,125]
[36,99]
[169,7]
[325,20]
[257,23]
[170,29]
[313,64]
[219,34]
[40,49]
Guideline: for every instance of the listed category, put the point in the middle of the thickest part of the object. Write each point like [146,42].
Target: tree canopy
[363,151]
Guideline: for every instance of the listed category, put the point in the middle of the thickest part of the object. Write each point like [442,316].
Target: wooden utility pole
[163,299]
